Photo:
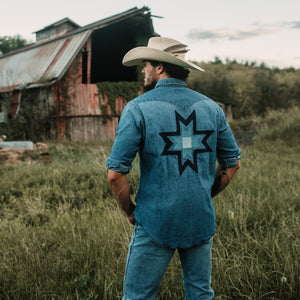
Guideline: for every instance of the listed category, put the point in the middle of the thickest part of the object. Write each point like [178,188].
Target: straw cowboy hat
[160,49]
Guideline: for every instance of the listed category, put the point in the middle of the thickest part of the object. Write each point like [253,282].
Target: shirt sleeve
[228,152]
[127,142]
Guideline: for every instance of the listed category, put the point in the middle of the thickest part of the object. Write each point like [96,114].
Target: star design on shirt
[186,142]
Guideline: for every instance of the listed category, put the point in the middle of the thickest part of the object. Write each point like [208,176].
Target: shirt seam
[140,101]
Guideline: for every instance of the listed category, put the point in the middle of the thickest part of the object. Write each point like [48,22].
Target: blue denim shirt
[179,134]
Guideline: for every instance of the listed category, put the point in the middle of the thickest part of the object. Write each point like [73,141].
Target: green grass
[62,235]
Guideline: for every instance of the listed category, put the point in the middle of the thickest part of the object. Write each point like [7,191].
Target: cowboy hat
[160,49]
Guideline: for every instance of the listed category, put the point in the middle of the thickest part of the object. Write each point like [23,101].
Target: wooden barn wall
[78,116]
[92,129]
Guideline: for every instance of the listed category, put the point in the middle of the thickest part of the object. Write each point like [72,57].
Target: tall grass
[62,235]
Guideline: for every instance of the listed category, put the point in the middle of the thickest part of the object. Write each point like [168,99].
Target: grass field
[62,235]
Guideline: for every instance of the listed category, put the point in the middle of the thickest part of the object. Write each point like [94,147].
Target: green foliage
[275,125]
[281,127]
[217,61]
[127,90]
[10,43]
[63,237]
[4,102]
[33,121]
[4,109]
[250,89]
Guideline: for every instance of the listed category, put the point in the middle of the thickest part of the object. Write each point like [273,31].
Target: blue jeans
[147,262]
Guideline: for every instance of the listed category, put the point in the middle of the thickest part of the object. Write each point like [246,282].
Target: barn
[70,84]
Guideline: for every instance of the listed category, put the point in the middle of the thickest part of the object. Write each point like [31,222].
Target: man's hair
[172,70]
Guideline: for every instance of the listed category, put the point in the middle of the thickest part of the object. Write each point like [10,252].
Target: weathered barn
[61,75]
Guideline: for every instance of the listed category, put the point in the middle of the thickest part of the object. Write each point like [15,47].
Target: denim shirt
[179,135]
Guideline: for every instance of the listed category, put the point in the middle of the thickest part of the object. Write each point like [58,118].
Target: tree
[251,89]
[10,43]
[268,94]
[217,61]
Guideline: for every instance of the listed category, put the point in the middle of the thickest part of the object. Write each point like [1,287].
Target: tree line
[249,88]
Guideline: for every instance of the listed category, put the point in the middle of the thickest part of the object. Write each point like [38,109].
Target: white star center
[186,142]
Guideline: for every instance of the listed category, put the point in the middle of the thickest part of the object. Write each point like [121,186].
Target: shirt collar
[170,81]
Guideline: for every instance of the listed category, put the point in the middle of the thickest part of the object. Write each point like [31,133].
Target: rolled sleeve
[229,162]
[117,166]
[127,142]
[228,152]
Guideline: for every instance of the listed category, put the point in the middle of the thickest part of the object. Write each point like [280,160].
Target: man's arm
[222,179]
[120,190]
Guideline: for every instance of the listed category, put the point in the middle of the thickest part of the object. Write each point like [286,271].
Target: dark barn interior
[109,45]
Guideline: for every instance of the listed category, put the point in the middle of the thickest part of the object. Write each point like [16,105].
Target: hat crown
[160,49]
[168,45]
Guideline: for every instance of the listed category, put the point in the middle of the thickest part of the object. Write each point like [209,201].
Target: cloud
[295,24]
[225,34]
[254,30]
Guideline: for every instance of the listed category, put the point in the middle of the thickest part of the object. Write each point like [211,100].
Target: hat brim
[137,55]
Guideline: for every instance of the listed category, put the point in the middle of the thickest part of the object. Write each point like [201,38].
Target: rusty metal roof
[44,63]
[40,64]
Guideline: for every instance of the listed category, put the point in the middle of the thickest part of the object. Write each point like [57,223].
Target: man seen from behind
[179,135]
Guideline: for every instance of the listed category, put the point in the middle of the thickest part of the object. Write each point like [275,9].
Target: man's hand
[222,179]
[120,190]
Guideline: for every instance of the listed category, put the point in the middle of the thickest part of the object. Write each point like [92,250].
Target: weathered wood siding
[80,118]
[91,128]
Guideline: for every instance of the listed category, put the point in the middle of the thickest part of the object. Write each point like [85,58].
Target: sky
[245,30]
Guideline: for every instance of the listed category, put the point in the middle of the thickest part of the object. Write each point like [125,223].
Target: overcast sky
[246,30]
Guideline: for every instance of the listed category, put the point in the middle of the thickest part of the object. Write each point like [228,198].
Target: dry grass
[62,235]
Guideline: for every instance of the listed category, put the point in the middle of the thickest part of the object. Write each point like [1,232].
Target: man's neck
[163,75]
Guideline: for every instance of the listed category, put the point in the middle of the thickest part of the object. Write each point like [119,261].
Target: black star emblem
[186,142]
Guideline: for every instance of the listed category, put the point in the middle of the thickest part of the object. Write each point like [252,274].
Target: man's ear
[160,69]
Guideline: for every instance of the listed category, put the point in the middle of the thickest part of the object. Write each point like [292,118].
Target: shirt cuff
[116,166]
[230,162]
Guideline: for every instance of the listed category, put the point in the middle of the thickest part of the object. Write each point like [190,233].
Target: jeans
[148,261]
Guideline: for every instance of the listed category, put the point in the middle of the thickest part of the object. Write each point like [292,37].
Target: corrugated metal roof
[45,62]
[116,18]
[57,23]
[40,64]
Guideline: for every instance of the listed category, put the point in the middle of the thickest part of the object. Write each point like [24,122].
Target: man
[179,135]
